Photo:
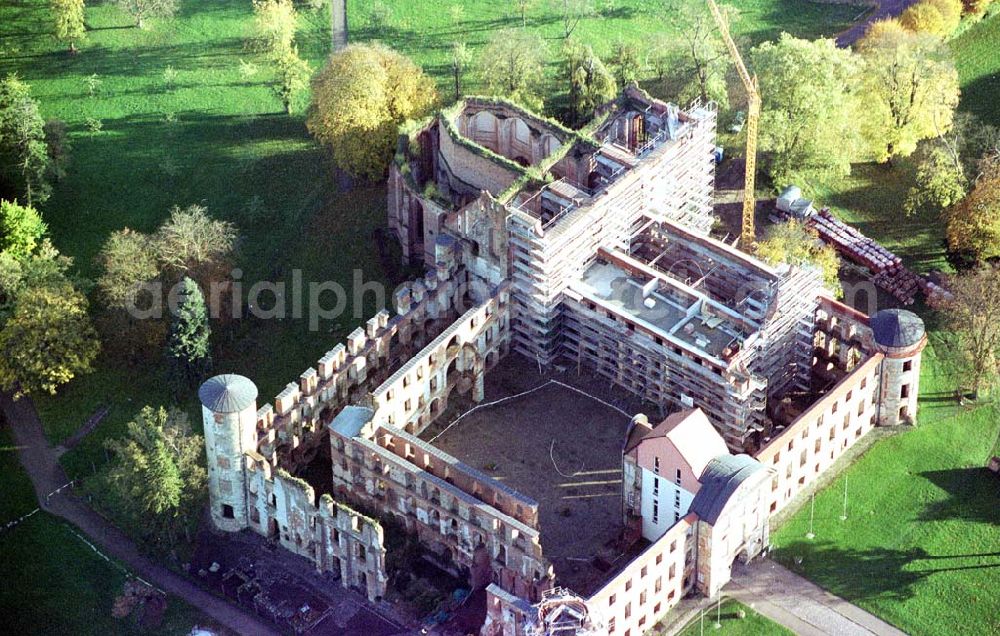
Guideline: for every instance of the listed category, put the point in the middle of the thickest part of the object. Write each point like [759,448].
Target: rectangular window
[677,479]
[656,512]
[656,465]
[907,365]
[904,391]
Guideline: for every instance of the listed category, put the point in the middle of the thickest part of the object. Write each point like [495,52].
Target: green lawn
[977,51]
[921,545]
[53,583]
[753,624]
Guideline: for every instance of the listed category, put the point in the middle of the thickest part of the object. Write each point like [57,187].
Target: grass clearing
[752,623]
[43,565]
[920,545]
[977,51]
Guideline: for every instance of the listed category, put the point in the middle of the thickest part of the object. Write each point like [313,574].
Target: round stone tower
[899,335]
[229,412]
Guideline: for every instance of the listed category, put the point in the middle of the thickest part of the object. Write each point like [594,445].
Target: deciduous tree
[291,77]
[47,341]
[360,98]
[590,83]
[512,65]
[808,115]
[909,90]
[274,25]
[67,18]
[460,58]
[21,229]
[973,315]
[191,241]
[127,260]
[155,481]
[142,10]
[940,181]
[696,65]
[626,63]
[937,17]
[24,157]
[794,243]
[572,11]
[523,6]
[188,347]
[974,222]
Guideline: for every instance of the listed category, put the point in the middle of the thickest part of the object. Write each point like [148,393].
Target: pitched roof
[227,393]
[721,478]
[694,437]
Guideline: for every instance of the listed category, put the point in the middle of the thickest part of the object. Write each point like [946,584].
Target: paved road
[886,9]
[801,606]
[40,462]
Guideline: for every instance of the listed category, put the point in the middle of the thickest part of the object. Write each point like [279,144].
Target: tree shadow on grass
[972,496]
[877,573]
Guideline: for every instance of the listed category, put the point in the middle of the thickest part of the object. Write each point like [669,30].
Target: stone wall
[333,536]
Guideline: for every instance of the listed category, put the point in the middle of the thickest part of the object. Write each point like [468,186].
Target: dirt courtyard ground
[559,447]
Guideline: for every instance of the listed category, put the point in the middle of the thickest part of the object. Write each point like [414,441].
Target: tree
[696,66]
[292,77]
[572,11]
[43,267]
[359,100]
[972,315]
[976,8]
[512,64]
[47,341]
[523,6]
[796,244]
[626,63]
[460,58]
[21,228]
[155,481]
[274,25]
[67,16]
[590,83]
[59,147]
[937,17]
[940,181]
[127,260]
[808,119]
[24,157]
[188,347]
[974,222]
[909,90]
[191,241]
[142,10]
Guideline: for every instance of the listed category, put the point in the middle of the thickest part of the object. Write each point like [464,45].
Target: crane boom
[747,233]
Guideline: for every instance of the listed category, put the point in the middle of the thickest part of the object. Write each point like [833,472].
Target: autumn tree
[695,64]
[626,63]
[460,58]
[359,100]
[24,158]
[142,10]
[21,229]
[974,222]
[590,83]
[973,316]
[908,92]
[47,341]
[512,64]
[572,11]
[155,482]
[796,244]
[936,17]
[808,118]
[274,26]
[67,18]
[976,8]
[940,181]
[191,242]
[127,260]
[58,147]
[523,6]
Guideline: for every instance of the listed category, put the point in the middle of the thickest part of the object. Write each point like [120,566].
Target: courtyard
[559,447]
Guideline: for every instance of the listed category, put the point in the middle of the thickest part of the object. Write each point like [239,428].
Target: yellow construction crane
[747,235]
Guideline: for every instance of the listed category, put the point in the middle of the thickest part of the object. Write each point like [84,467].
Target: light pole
[718,612]
[812,513]
[843,517]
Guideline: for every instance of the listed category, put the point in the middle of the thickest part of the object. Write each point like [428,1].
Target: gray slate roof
[897,328]
[722,476]
[227,393]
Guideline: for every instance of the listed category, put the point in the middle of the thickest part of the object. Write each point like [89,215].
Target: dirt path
[40,461]
[802,606]
[886,9]
[83,431]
